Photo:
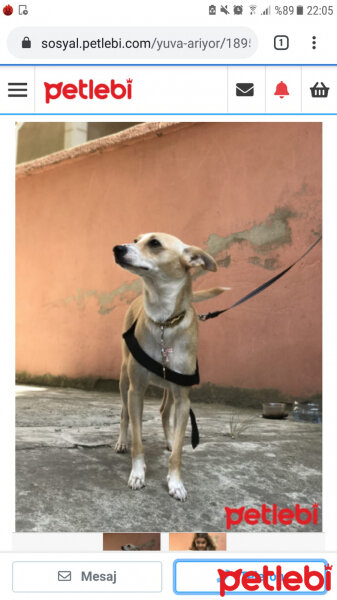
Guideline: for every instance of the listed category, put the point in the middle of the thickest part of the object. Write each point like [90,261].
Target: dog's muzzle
[119,252]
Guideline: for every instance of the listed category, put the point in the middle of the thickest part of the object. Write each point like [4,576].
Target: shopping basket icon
[319,91]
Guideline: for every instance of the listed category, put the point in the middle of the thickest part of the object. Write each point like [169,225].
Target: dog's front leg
[135,406]
[122,444]
[182,408]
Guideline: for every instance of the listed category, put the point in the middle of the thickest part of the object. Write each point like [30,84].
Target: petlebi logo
[88,90]
[280,577]
[271,515]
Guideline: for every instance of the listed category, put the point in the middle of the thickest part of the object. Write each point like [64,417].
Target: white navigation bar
[167,90]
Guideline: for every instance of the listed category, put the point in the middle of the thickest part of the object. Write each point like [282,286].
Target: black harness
[165,373]
[156,367]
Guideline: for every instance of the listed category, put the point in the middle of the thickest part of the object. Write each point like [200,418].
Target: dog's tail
[198,296]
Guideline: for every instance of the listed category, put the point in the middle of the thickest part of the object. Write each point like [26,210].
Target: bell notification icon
[281,90]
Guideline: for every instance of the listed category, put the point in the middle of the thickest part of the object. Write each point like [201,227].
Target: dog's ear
[193,256]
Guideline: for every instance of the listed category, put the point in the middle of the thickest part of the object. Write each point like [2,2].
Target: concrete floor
[70,479]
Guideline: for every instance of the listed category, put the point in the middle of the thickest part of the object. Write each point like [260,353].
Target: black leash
[195,430]
[258,290]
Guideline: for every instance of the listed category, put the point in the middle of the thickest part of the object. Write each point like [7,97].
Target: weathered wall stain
[267,263]
[106,300]
[224,262]
[266,236]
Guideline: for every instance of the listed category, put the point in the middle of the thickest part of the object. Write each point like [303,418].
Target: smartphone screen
[167,328]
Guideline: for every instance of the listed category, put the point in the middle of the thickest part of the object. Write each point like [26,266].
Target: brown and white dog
[164,263]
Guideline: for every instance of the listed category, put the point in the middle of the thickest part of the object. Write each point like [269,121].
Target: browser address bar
[132,42]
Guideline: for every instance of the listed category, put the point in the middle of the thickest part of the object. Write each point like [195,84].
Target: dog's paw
[121,448]
[176,488]
[137,475]
[136,480]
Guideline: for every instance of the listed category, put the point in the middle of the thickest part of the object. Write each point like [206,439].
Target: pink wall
[248,192]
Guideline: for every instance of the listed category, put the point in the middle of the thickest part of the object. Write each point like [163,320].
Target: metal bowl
[274,410]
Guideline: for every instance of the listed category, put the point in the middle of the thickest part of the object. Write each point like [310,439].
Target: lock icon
[26,43]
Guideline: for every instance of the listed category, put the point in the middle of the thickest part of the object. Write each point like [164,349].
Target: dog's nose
[119,251]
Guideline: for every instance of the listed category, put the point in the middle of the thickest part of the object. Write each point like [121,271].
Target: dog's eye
[135,241]
[154,243]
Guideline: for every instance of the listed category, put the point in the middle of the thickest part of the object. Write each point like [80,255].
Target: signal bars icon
[267,11]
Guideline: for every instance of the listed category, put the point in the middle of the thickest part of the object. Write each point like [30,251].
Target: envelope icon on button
[64,575]
[244,89]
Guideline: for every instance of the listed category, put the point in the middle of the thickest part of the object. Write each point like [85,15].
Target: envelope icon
[64,575]
[244,89]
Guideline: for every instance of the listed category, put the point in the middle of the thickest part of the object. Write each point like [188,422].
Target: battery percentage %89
[285,10]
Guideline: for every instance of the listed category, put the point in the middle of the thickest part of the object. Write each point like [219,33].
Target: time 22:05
[320,10]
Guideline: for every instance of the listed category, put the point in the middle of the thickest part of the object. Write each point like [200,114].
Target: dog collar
[171,322]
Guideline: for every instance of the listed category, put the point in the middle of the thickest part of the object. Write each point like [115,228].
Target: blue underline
[167,65]
[170,114]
